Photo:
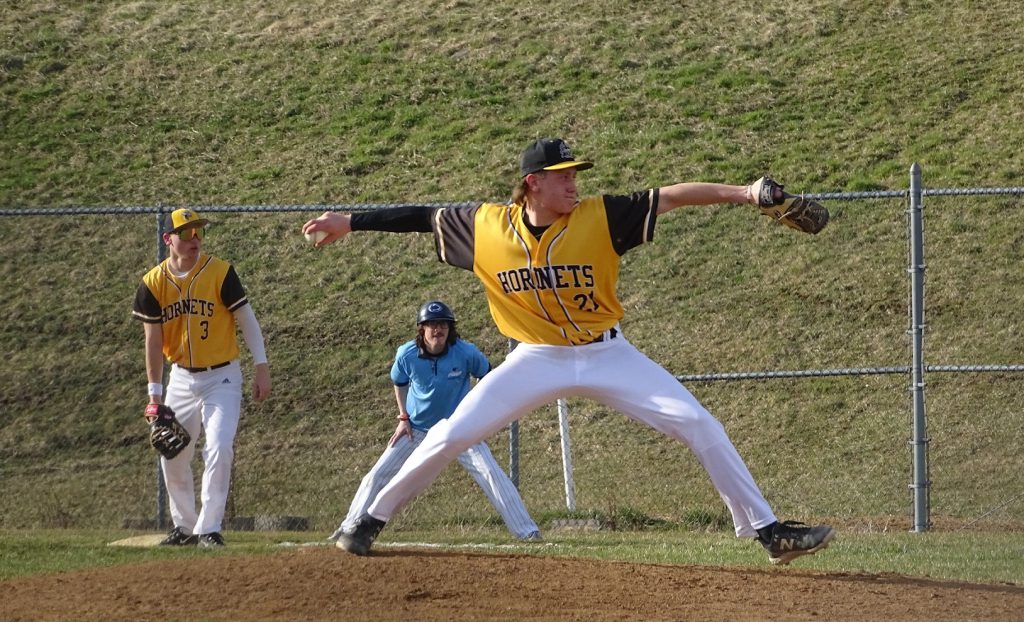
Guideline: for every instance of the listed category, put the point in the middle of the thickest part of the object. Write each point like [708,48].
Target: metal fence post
[563,429]
[161,487]
[920,440]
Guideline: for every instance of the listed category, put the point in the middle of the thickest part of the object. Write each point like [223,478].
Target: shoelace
[790,528]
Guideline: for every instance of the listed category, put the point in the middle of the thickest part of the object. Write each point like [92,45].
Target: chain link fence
[622,472]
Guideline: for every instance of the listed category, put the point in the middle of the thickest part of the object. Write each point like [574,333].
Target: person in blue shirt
[431,375]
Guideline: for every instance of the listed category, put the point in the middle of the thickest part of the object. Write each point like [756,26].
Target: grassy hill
[314,103]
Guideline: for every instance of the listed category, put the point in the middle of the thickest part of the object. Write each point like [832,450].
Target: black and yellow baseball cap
[549,154]
[184,218]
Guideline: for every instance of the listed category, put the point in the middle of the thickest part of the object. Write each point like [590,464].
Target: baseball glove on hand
[166,434]
[796,212]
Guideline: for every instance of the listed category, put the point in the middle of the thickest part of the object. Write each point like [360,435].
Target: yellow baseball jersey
[557,287]
[196,311]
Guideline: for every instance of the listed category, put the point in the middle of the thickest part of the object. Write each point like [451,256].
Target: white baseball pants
[478,462]
[612,372]
[210,401]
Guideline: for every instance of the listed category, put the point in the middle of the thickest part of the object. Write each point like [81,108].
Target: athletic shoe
[208,540]
[360,539]
[178,537]
[337,534]
[792,539]
[533,536]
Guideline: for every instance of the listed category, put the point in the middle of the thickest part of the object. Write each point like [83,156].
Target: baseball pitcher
[549,264]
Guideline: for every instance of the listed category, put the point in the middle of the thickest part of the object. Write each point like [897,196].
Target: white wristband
[155,388]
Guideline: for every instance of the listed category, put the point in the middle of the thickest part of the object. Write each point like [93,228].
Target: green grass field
[262,103]
[977,558]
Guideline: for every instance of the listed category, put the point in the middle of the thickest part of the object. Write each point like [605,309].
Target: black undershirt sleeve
[147,308]
[402,219]
[232,292]
[631,218]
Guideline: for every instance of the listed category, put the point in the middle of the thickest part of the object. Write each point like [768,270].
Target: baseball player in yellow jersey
[549,263]
[191,306]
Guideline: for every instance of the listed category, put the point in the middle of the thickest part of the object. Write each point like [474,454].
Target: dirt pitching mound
[323,583]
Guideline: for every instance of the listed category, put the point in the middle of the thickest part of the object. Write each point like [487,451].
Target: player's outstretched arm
[401,219]
[334,224]
[700,193]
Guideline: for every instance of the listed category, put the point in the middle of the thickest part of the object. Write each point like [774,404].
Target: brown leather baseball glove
[166,434]
[796,212]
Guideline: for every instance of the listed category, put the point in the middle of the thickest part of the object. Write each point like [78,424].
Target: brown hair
[453,335]
[521,188]
[519,191]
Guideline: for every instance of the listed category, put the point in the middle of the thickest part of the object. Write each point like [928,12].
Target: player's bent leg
[737,488]
[425,463]
[494,402]
[648,393]
[500,491]
[382,472]
[644,391]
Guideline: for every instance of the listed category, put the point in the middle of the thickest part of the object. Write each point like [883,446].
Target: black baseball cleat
[210,540]
[791,539]
[360,539]
[177,537]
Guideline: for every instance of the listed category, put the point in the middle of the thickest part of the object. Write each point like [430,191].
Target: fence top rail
[973,191]
[165,209]
[367,207]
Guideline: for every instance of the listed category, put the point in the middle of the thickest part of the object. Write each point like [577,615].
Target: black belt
[612,334]
[196,370]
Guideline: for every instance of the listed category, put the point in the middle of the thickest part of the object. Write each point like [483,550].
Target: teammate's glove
[796,212]
[166,434]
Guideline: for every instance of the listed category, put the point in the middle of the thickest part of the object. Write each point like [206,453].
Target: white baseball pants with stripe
[478,462]
[612,372]
[211,402]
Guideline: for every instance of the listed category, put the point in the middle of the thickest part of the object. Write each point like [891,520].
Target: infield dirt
[322,583]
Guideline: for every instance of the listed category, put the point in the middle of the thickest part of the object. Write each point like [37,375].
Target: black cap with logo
[549,154]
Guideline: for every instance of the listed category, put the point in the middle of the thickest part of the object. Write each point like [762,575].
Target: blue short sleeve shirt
[436,383]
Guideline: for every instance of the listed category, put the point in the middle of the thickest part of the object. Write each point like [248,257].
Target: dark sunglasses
[191,232]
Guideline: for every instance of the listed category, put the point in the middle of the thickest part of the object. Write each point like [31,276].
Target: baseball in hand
[316,237]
